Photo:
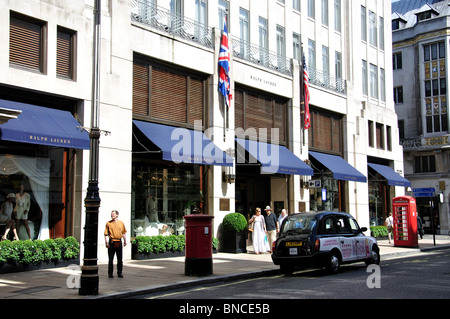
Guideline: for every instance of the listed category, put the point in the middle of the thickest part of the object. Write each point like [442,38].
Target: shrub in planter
[234,222]
[234,234]
[35,252]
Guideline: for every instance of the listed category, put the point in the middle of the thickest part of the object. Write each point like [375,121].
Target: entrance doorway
[252,190]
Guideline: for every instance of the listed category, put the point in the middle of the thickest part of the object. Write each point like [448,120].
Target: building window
[167,95]
[382,85]
[337,16]
[373,81]
[325,61]
[311,9]
[381,32]
[435,87]
[326,131]
[365,86]
[389,137]
[371,133]
[255,111]
[425,164]
[65,53]
[398,95]
[224,7]
[363,24]
[397,62]
[311,55]
[338,65]
[401,129]
[296,43]
[244,32]
[325,12]
[379,133]
[373,28]
[296,5]
[27,43]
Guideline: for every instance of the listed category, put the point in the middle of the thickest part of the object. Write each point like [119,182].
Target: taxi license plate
[294,244]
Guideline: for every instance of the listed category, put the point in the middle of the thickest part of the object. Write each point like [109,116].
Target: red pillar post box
[198,250]
[405,221]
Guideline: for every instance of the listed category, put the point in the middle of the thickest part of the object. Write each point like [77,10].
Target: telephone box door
[405,221]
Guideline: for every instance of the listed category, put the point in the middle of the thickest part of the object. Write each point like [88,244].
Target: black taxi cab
[322,239]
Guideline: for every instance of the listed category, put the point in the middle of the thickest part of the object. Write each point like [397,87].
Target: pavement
[163,274]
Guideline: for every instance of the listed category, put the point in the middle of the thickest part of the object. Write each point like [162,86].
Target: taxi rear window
[299,223]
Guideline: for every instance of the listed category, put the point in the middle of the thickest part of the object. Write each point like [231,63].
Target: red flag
[306,95]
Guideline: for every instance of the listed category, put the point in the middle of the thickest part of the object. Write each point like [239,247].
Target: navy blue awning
[391,176]
[181,145]
[274,158]
[44,126]
[340,168]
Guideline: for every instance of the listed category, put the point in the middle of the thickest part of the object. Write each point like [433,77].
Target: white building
[421,78]
[159,72]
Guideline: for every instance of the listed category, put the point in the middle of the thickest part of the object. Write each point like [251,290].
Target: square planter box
[233,242]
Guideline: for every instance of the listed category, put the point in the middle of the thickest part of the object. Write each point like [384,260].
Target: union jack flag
[224,67]
[306,95]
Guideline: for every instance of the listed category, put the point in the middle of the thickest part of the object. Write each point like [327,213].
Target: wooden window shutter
[141,80]
[168,95]
[196,100]
[64,54]
[239,109]
[258,113]
[26,43]
[280,119]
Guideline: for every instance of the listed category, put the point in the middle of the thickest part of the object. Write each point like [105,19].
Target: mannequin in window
[23,202]
[150,209]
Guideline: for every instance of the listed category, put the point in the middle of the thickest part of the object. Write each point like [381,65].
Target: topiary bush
[234,222]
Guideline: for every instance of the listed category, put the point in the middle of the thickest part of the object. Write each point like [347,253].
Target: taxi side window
[354,225]
[329,225]
[342,225]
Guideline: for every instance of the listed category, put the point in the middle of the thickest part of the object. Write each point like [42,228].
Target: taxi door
[346,238]
[361,242]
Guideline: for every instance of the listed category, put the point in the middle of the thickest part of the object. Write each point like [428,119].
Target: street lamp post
[89,280]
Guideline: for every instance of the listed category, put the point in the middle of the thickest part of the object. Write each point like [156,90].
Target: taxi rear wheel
[334,262]
[375,257]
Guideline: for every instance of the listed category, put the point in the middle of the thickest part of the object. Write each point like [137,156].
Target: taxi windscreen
[299,223]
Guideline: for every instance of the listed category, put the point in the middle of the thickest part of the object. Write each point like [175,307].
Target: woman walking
[260,243]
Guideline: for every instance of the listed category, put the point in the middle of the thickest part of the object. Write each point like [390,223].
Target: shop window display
[163,196]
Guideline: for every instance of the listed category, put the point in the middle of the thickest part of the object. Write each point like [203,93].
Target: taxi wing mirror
[363,229]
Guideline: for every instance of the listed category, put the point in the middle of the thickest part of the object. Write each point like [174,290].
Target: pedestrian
[259,238]
[420,226]
[282,217]
[390,225]
[114,233]
[271,225]
[6,216]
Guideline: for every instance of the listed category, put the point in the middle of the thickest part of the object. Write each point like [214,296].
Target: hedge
[35,252]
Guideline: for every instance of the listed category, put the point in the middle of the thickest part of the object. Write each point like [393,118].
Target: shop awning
[181,145]
[391,176]
[274,158]
[340,168]
[44,126]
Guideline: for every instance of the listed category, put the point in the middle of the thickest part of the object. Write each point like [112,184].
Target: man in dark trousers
[114,232]
[271,226]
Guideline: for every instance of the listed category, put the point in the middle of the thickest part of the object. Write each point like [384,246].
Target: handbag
[250,226]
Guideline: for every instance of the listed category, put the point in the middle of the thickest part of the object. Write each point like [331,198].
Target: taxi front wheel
[334,262]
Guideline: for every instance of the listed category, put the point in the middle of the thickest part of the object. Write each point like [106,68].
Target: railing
[434,142]
[326,81]
[162,19]
[260,56]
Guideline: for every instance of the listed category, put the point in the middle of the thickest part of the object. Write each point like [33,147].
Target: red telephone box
[405,221]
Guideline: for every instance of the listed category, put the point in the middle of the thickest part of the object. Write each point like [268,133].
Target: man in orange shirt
[114,232]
